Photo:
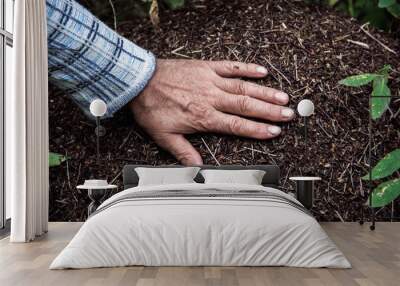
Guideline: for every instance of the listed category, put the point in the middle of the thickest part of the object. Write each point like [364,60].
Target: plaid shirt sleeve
[89,60]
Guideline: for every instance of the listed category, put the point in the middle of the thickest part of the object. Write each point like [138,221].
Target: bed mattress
[201,225]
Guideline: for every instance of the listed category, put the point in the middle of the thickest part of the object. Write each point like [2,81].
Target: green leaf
[385,70]
[386,3]
[351,9]
[394,10]
[380,104]
[377,17]
[56,159]
[175,4]
[358,80]
[385,193]
[386,166]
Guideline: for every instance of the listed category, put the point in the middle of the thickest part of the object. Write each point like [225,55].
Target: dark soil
[307,50]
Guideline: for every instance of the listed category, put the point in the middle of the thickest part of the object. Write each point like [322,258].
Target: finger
[235,125]
[238,69]
[180,148]
[237,86]
[252,107]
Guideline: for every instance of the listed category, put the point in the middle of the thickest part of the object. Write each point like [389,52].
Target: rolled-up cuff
[137,85]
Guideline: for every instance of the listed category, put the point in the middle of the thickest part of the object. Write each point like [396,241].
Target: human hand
[189,96]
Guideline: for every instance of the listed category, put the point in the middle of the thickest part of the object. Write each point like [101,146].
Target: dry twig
[175,52]
[278,71]
[114,14]
[375,39]
[361,44]
[209,150]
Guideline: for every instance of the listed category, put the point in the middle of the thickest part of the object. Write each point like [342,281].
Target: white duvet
[200,231]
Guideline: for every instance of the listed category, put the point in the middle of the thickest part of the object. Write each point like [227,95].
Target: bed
[201,224]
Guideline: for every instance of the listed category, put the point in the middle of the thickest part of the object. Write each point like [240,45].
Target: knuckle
[231,66]
[200,115]
[269,109]
[213,97]
[218,102]
[247,68]
[235,125]
[225,84]
[195,108]
[266,92]
[207,123]
[276,111]
[243,104]
[241,87]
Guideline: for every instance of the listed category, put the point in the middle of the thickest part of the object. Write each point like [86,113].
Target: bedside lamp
[98,108]
[305,108]
[305,184]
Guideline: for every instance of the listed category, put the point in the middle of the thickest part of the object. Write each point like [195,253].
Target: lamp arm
[98,138]
[305,134]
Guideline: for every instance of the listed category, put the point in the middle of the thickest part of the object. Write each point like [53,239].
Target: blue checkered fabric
[89,60]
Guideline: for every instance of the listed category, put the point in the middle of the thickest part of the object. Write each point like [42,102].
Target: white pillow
[164,176]
[248,177]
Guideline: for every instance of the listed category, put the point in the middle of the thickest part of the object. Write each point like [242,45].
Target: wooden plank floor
[375,257]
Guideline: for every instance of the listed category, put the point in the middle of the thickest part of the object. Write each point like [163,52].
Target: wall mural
[307,50]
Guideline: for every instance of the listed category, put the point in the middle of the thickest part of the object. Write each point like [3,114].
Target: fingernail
[262,70]
[287,113]
[274,130]
[282,97]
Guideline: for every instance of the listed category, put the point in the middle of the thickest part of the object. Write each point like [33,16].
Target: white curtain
[27,124]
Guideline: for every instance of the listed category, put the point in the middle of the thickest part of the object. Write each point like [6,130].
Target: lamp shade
[305,107]
[98,108]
